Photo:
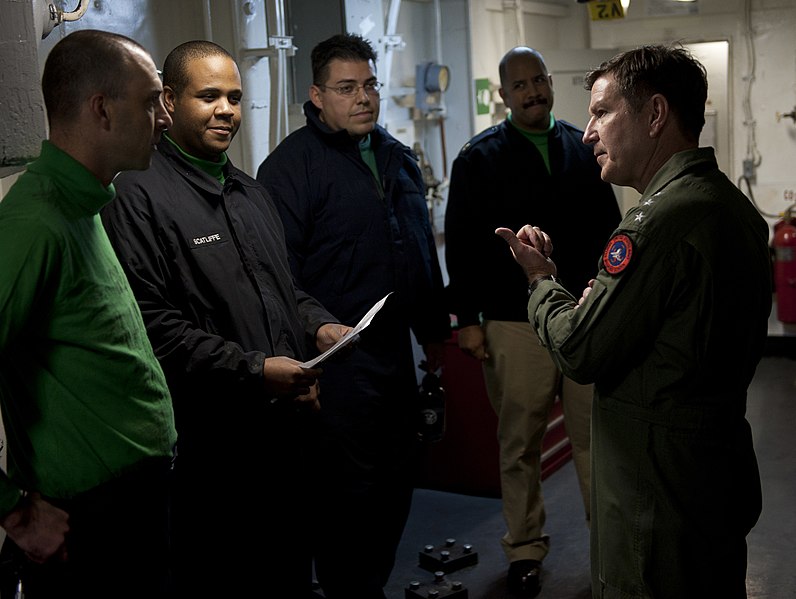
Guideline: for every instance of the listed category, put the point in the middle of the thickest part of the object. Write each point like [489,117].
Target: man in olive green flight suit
[670,332]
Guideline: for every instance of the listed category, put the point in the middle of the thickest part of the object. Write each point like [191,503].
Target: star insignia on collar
[639,217]
[649,202]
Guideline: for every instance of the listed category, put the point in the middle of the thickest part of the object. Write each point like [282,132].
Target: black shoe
[525,577]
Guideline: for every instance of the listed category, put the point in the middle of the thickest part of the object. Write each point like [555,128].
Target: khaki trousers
[522,383]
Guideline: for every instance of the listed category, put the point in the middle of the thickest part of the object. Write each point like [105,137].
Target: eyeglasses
[352,89]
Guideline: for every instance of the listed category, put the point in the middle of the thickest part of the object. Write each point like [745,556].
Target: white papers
[350,336]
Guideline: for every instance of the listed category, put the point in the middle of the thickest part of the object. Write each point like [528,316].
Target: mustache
[535,102]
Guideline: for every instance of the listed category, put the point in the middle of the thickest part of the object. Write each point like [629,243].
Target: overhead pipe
[516,7]
[48,16]
[250,39]
[391,43]
[207,20]
[441,118]
[260,32]
[75,14]
[278,39]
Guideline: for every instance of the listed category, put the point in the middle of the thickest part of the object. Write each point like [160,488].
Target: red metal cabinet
[466,459]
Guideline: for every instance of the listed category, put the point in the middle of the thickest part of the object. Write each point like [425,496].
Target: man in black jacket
[532,167]
[204,250]
[353,204]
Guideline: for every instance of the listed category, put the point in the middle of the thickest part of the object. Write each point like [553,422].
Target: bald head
[82,64]
[527,89]
[104,102]
[519,54]
[175,69]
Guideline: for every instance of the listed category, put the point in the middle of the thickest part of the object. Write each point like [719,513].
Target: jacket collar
[516,134]
[340,138]
[678,164]
[195,176]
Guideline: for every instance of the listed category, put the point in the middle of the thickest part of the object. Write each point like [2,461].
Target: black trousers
[241,511]
[117,544]
[364,496]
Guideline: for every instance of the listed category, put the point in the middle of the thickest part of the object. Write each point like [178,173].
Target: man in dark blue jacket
[531,167]
[352,201]
[203,248]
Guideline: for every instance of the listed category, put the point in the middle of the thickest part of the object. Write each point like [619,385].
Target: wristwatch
[532,286]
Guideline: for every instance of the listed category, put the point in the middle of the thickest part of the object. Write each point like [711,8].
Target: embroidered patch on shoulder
[617,254]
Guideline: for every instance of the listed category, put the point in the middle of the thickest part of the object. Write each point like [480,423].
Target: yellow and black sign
[604,10]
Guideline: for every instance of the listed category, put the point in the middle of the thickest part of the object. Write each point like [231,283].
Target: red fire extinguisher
[785,266]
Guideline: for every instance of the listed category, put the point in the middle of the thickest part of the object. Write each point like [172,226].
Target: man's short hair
[514,54]
[84,63]
[669,71]
[344,46]
[175,69]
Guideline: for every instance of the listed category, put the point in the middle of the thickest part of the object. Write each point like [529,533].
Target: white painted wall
[773,88]
[159,27]
[418,27]
[559,25]
[489,28]
[21,102]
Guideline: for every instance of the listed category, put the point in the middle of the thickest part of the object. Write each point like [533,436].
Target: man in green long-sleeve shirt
[88,417]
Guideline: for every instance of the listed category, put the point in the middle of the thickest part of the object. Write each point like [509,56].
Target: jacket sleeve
[430,318]
[28,260]
[311,313]
[463,255]
[617,325]
[289,188]
[607,215]
[186,352]
[9,495]
[289,191]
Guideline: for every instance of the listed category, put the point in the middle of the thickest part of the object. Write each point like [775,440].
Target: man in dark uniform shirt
[530,168]
[204,251]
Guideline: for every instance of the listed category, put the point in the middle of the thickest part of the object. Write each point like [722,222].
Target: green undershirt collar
[214,169]
[540,140]
[369,157]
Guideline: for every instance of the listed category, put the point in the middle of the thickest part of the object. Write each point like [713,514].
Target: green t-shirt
[370,159]
[82,394]
[214,169]
[540,140]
